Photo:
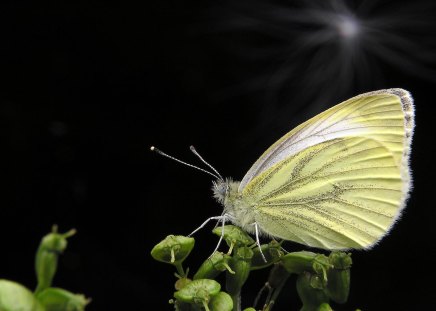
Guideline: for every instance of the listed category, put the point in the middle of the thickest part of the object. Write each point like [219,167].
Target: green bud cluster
[320,278]
[16,297]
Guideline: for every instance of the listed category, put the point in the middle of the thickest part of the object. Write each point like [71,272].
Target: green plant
[320,280]
[16,297]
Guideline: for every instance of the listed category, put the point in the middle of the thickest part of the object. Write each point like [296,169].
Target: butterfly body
[338,181]
[242,212]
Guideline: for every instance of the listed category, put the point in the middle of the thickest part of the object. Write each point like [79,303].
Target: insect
[338,181]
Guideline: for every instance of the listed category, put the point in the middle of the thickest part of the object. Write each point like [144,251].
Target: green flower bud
[250,309]
[317,281]
[298,262]
[340,260]
[272,252]
[338,286]
[321,265]
[213,266]
[221,302]
[312,298]
[173,249]
[15,297]
[241,264]
[57,299]
[198,292]
[46,260]
[182,282]
[183,306]
[324,307]
[277,276]
[234,236]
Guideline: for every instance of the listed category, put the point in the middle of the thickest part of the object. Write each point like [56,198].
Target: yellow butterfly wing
[339,180]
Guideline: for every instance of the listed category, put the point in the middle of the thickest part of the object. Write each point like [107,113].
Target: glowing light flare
[348,27]
[325,49]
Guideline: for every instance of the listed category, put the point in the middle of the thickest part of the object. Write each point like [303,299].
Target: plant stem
[276,293]
[236,301]
[180,270]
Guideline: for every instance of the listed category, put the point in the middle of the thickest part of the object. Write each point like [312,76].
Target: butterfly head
[225,190]
[220,189]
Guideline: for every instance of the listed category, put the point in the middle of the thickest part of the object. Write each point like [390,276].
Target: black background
[88,86]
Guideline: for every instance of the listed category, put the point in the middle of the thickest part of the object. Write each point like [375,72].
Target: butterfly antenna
[152,148]
[204,161]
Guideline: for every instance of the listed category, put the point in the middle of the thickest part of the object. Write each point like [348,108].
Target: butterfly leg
[217,223]
[219,218]
[223,221]
[258,242]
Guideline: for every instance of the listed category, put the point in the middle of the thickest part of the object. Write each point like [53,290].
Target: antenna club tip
[192,148]
[152,148]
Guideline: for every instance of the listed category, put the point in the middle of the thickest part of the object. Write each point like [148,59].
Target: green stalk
[276,293]
[180,270]
[236,301]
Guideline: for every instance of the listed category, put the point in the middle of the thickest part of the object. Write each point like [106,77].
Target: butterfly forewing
[381,115]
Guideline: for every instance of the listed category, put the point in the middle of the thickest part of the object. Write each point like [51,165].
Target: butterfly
[338,181]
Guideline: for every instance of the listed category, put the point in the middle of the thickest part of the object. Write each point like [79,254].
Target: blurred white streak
[322,51]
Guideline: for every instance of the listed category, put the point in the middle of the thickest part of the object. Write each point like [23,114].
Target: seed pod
[213,266]
[173,249]
[57,299]
[221,302]
[324,307]
[312,298]
[46,260]
[321,265]
[272,252]
[338,286]
[241,264]
[234,236]
[198,291]
[277,276]
[298,262]
[183,306]
[182,282]
[340,260]
[15,297]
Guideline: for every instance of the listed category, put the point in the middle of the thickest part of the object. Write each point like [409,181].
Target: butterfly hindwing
[339,180]
[344,193]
